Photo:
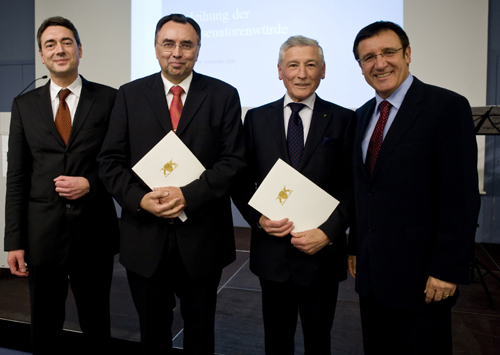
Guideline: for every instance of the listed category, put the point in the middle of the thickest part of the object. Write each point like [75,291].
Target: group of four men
[404,172]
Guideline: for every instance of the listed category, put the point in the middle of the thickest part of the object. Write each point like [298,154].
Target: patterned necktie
[63,116]
[377,136]
[295,135]
[176,106]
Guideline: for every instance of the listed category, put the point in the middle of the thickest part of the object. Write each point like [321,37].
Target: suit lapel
[45,107]
[158,101]
[363,115]
[276,121]
[196,95]
[87,97]
[407,113]
[319,123]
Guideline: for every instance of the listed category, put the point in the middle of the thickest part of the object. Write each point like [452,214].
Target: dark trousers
[282,302]
[91,284]
[154,299]
[394,331]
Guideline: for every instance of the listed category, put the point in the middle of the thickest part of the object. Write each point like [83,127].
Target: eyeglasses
[386,53]
[170,46]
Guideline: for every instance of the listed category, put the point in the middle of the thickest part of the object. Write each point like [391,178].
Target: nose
[380,61]
[302,71]
[177,52]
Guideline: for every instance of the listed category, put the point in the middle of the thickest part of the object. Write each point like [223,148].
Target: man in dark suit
[162,254]
[416,197]
[298,272]
[59,219]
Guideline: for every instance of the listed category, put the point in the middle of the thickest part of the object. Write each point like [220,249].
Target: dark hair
[377,27]
[56,21]
[179,18]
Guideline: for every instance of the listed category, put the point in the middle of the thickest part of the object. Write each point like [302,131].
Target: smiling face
[301,71]
[60,54]
[385,75]
[177,64]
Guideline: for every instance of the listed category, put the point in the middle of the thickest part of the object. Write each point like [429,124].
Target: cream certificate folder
[169,163]
[286,193]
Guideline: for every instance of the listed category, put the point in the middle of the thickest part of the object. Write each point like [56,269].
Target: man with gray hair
[298,272]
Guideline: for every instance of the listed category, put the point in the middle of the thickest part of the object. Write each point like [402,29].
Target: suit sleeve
[458,195]
[218,179]
[18,183]
[115,161]
[342,217]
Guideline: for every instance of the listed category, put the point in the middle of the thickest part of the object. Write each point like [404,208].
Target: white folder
[169,163]
[286,193]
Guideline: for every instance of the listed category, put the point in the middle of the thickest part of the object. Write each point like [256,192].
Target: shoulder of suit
[327,105]
[269,106]
[98,87]
[210,81]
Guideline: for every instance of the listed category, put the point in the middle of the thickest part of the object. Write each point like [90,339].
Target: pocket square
[327,141]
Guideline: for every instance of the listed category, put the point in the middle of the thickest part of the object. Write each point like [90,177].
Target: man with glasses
[417,200]
[164,256]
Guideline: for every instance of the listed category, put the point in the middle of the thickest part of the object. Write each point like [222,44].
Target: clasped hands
[164,202]
[71,187]
[309,242]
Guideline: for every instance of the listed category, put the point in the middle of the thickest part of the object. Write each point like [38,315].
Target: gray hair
[300,41]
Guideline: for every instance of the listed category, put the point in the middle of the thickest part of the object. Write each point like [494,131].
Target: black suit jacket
[326,162]
[416,216]
[210,126]
[37,219]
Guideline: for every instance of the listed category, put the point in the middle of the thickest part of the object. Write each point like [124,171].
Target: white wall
[104,29]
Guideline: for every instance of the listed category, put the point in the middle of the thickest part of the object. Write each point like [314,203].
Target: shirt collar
[309,102]
[75,87]
[397,97]
[185,84]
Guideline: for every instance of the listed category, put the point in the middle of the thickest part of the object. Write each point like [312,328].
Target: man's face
[60,53]
[301,71]
[384,74]
[177,64]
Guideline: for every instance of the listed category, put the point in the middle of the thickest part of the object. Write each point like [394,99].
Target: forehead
[56,32]
[301,53]
[380,41]
[177,31]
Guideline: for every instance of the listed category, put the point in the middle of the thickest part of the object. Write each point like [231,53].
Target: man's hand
[276,228]
[311,241]
[160,204]
[17,266]
[351,265]
[71,187]
[437,290]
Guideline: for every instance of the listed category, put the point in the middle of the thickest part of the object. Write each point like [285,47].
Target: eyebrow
[171,40]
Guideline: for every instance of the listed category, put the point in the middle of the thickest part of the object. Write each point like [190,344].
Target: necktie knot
[384,107]
[295,107]
[63,94]
[177,90]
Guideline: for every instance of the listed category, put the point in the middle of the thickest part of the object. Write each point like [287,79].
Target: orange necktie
[63,116]
[176,106]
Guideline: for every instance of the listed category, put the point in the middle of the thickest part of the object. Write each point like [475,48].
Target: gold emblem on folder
[169,167]
[283,195]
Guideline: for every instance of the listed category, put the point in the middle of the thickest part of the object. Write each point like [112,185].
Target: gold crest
[169,167]
[283,195]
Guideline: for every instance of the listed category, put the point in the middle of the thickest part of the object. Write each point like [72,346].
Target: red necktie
[295,135]
[377,136]
[63,116]
[176,106]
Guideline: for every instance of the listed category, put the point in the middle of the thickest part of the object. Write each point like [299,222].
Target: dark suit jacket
[210,126]
[37,219]
[416,216]
[326,162]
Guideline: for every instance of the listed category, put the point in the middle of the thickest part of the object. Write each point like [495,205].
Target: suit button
[371,193]
[67,154]
[371,229]
[68,205]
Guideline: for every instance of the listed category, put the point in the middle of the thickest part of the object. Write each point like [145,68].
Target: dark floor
[476,326]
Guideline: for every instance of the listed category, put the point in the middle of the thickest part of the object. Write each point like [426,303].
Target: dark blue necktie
[295,135]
